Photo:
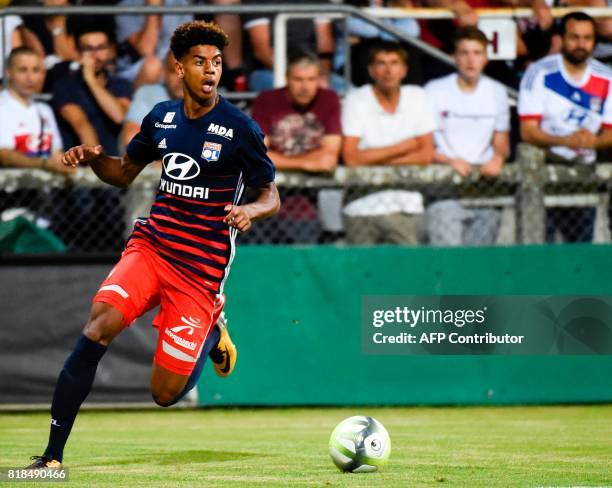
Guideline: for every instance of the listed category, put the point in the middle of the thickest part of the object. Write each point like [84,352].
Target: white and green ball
[359,445]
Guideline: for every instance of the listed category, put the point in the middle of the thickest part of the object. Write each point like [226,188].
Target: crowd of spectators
[399,108]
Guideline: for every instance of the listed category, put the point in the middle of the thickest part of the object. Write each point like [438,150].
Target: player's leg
[186,339]
[77,376]
[120,299]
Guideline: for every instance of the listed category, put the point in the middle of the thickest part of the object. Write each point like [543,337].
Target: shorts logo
[169,117]
[191,325]
[211,151]
[180,166]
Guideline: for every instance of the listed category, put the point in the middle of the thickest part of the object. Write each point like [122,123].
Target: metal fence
[530,202]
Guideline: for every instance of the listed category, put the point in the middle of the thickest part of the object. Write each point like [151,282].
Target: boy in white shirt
[473,119]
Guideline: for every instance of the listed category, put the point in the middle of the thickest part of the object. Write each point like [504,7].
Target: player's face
[26,75]
[578,42]
[97,47]
[471,58]
[388,69]
[200,69]
[303,83]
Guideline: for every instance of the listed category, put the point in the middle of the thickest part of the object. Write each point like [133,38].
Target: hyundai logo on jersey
[211,151]
[180,166]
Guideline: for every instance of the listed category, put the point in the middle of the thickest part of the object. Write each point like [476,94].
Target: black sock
[210,342]
[71,389]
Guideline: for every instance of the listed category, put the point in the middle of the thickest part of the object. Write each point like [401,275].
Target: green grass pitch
[446,446]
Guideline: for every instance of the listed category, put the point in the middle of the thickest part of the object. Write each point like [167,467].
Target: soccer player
[179,257]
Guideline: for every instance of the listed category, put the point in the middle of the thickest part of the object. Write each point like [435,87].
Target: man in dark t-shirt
[90,99]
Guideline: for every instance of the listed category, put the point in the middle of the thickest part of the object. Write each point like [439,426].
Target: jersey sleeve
[142,148]
[531,95]
[606,121]
[257,167]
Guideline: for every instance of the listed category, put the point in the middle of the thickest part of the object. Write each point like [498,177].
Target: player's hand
[56,165]
[81,154]
[237,217]
[461,166]
[492,168]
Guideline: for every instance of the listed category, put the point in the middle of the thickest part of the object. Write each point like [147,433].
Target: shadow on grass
[182,457]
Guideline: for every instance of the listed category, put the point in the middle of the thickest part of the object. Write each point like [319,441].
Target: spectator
[51,31]
[29,137]
[564,106]
[144,40]
[149,95]
[302,34]
[473,118]
[92,100]
[386,123]
[301,123]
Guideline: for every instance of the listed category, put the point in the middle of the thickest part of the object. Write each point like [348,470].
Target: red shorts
[140,281]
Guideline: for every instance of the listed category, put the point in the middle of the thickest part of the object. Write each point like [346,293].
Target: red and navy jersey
[206,164]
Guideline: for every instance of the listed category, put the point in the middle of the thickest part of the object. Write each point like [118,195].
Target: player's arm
[323,159]
[115,171]
[353,156]
[265,205]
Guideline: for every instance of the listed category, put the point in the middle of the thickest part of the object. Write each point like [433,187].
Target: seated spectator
[29,137]
[564,106]
[473,118]
[148,95]
[302,34]
[92,100]
[144,40]
[50,30]
[386,123]
[301,123]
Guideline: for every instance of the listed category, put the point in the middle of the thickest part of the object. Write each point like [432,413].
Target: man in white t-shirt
[29,137]
[386,123]
[473,118]
[565,106]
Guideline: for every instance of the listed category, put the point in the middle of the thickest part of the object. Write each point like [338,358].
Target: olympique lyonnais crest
[596,104]
[211,151]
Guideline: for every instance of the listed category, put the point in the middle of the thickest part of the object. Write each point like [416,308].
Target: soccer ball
[359,445]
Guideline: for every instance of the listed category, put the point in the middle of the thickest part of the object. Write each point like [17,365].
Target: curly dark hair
[195,33]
